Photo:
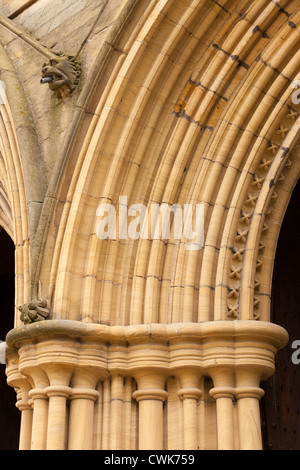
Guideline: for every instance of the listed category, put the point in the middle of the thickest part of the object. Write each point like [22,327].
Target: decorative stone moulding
[270,172]
[34,311]
[62,74]
[53,363]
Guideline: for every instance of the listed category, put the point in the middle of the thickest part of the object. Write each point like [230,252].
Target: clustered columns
[47,422]
[240,385]
[151,395]
[59,379]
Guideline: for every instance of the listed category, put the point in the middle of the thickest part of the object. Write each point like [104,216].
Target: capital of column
[23,405]
[193,393]
[150,394]
[249,392]
[38,393]
[84,393]
[58,391]
[222,392]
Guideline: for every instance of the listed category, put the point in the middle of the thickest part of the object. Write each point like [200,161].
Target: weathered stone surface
[156,342]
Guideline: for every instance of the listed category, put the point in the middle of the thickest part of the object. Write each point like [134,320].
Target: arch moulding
[185,111]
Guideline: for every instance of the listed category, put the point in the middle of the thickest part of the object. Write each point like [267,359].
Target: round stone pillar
[223,392]
[150,397]
[40,418]
[190,395]
[39,401]
[82,399]
[248,393]
[58,392]
[26,424]
[18,381]
[56,431]
[81,418]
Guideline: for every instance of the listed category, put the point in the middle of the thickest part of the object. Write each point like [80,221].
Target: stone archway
[167,128]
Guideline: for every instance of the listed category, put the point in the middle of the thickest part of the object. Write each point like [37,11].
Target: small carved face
[64,74]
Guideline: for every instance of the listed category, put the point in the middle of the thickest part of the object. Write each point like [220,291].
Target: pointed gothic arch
[167,130]
[188,102]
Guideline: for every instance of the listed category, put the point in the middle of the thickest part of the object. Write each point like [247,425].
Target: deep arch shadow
[281,406]
[9,414]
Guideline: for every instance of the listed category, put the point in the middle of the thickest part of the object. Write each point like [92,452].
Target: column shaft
[225,425]
[117,403]
[225,429]
[56,432]
[81,421]
[150,397]
[190,398]
[26,425]
[40,420]
[249,419]
[248,395]
[151,424]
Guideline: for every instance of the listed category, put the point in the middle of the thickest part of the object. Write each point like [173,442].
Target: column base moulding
[79,386]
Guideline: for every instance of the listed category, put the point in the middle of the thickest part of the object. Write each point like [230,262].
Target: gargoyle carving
[62,74]
[34,311]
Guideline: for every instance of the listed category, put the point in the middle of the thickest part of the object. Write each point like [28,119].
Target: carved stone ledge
[164,349]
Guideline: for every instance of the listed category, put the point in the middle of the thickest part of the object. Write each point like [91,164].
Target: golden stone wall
[178,102]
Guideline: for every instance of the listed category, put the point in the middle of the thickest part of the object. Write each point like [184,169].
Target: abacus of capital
[58,369]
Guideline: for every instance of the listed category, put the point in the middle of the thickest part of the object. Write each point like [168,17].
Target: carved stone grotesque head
[62,75]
